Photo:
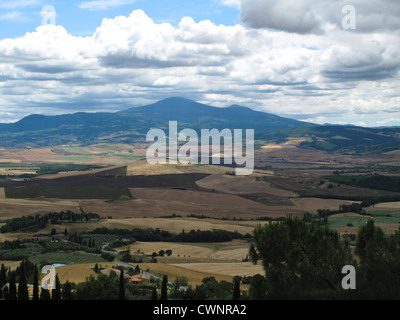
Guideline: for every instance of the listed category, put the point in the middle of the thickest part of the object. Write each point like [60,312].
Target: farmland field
[178,198]
[66,258]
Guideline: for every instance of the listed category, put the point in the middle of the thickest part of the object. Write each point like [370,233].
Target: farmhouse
[140,279]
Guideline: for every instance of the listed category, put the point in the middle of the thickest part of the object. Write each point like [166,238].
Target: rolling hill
[132,125]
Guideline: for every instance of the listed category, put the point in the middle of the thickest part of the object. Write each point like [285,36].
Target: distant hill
[128,126]
[200,116]
[343,139]
[132,125]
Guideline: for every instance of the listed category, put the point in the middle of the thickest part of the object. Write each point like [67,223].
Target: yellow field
[12,208]
[151,202]
[75,273]
[11,264]
[387,205]
[226,251]
[313,204]
[241,185]
[144,168]
[196,272]
[176,225]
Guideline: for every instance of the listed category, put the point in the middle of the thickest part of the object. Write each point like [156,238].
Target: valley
[104,194]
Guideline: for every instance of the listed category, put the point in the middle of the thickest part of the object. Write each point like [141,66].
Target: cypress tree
[164,288]
[121,286]
[3,279]
[44,294]
[12,295]
[154,294]
[22,286]
[35,285]
[66,293]
[236,288]
[56,293]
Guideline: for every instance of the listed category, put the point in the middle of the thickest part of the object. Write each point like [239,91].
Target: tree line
[40,221]
[157,235]
[304,261]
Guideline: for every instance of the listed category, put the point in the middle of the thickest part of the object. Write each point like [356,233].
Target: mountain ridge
[131,125]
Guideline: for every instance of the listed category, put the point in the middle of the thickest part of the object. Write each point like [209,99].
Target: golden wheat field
[234,250]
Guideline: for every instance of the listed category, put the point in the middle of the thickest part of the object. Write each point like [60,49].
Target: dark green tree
[121,295]
[379,255]
[12,293]
[22,284]
[101,287]
[258,287]
[164,288]
[3,279]
[301,260]
[66,293]
[236,288]
[44,294]
[154,294]
[35,285]
[56,293]
[137,269]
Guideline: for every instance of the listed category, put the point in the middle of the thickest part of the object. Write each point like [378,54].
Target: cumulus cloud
[103,4]
[316,17]
[131,60]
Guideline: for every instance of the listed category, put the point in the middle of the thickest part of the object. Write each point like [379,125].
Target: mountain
[132,124]
[200,116]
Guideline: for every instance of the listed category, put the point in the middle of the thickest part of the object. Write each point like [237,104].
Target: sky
[322,61]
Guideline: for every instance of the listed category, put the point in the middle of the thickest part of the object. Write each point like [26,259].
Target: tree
[236,288]
[35,285]
[258,287]
[300,260]
[121,286]
[137,269]
[3,279]
[12,295]
[22,285]
[56,293]
[66,293]
[154,294]
[44,294]
[101,287]
[379,262]
[164,288]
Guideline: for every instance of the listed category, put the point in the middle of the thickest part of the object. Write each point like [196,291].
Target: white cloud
[19,4]
[131,60]
[103,4]
[310,16]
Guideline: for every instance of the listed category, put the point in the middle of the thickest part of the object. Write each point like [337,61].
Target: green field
[385,216]
[75,149]
[76,159]
[66,258]
[340,222]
